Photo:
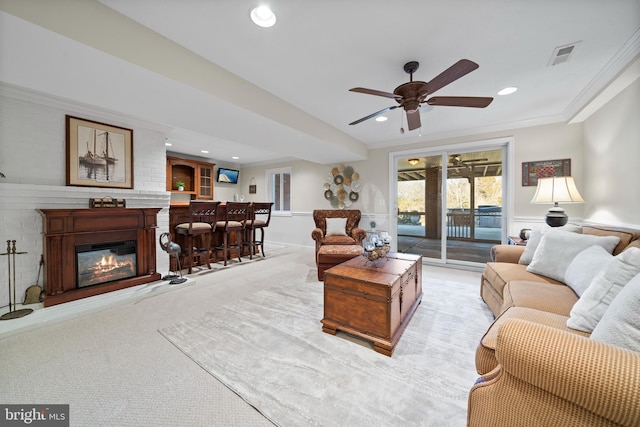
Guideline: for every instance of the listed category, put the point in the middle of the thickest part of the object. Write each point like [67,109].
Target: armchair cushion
[336,226]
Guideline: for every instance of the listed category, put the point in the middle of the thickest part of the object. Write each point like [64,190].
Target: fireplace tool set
[11,255]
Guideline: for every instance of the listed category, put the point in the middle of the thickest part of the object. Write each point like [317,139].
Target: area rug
[269,349]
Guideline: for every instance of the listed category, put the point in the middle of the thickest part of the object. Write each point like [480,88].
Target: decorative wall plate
[341,187]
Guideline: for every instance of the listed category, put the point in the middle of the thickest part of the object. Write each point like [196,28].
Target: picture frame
[532,171]
[252,189]
[98,154]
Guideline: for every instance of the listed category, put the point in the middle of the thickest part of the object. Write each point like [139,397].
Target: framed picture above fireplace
[98,154]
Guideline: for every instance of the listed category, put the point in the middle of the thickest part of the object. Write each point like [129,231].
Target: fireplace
[105,262]
[93,251]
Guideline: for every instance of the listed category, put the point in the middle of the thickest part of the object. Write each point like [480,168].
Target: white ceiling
[225,85]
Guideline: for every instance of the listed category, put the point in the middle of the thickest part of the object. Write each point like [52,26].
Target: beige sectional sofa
[534,369]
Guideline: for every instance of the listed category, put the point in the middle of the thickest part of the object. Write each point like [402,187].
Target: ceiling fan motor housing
[412,94]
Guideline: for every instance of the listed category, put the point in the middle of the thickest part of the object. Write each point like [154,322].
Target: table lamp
[554,190]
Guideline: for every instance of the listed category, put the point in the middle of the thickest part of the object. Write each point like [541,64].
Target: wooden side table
[515,240]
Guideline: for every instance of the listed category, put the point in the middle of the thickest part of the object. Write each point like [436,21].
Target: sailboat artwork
[99,161]
[103,155]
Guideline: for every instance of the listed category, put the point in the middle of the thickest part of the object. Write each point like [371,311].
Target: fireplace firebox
[93,251]
[105,262]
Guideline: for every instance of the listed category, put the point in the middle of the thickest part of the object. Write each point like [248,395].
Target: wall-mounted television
[228,176]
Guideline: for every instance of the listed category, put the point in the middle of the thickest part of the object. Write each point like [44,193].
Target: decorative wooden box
[107,202]
[373,301]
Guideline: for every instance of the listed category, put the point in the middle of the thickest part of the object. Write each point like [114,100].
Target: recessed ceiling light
[168,144]
[381,119]
[204,151]
[235,157]
[262,16]
[508,90]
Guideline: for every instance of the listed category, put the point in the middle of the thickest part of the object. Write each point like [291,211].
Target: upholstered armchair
[337,227]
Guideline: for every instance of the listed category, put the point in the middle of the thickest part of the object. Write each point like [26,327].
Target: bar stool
[234,222]
[259,217]
[202,218]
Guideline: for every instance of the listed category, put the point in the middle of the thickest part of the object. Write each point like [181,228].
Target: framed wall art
[98,154]
[532,171]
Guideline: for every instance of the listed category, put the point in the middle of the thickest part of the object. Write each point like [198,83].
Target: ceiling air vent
[562,54]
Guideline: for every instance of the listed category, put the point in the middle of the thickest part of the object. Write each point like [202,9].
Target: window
[279,189]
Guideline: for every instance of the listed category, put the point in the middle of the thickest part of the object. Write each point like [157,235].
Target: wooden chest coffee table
[373,301]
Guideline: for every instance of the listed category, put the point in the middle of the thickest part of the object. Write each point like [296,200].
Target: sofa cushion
[591,306]
[485,354]
[549,297]
[536,236]
[498,274]
[584,267]
[620,324]
[626,235]
[557,250]
[336,226]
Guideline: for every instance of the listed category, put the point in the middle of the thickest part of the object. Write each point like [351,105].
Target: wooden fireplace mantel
[64,229]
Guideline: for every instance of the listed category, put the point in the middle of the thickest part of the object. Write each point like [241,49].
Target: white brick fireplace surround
[33,159]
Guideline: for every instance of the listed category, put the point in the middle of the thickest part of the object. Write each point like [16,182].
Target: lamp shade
[553,190]
[558,189]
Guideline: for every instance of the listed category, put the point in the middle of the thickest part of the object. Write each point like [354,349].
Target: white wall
[612,166]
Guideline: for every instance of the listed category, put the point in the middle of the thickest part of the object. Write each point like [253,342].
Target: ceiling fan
[410,95]
[455,160]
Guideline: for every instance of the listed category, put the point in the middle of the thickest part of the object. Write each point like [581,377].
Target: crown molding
[626,55]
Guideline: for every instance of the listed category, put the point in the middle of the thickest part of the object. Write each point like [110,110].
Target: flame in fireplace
[108,263]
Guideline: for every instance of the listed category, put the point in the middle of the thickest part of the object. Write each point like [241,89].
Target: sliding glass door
[419,219]
[450,203]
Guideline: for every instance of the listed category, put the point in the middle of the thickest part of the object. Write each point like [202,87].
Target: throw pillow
[587,312]
[532,244]
[620,324]
[336,226]
[536,236]
[558,248]
[584,267]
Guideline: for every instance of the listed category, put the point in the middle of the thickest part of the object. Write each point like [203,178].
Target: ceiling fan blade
[451,74]
[374,114]
[375,92]
[413,120]
[460,101]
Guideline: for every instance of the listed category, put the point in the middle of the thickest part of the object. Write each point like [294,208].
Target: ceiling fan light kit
[411,95]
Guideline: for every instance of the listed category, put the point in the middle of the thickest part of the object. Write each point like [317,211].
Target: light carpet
[270,349]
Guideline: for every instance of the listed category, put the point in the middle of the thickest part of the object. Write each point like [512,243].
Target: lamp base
[556,217]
